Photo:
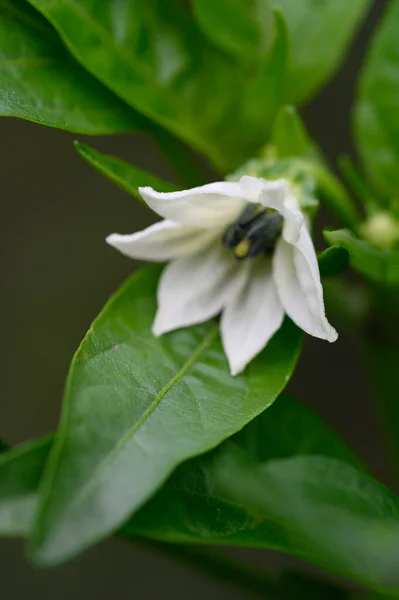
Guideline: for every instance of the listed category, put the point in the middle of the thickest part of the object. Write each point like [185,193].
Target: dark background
[56,274]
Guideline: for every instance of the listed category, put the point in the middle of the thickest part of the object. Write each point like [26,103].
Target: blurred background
[57,273]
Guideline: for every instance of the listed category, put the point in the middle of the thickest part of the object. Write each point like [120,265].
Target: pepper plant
[175,427]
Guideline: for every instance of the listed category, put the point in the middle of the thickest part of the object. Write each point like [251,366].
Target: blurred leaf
[154,57]
[330,513]
[320,34]
[189,508]
[136,406]
[242,27]
[286,429]
[289,136]
[333,260]
[129,178]
[376,119]
[20,472]
[40,82]
[374,263]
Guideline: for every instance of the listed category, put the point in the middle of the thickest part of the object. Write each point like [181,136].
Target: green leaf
[331,514]
[40,82]
[153,55]
[122,173]
[376,120]
[135,407]
[288,428]
[319,33]
[242,27]
[189,507]
[289,136]
[333,260]
[375,263]
[20,472]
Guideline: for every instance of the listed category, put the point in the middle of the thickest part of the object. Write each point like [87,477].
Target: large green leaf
[326,511]
[375,263]
[135,406]
[127,176]
[42,83]
[320,33]
[20,472]
[242,27]
[153,55]
[288,428]
[376,119]
[189,508]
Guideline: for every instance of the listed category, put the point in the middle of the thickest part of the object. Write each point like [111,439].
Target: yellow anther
[242,249]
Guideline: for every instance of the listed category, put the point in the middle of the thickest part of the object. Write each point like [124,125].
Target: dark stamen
[255,231]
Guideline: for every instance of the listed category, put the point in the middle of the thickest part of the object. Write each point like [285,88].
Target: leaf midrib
[85,490]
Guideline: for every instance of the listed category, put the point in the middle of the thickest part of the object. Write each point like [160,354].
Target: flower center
[255,231]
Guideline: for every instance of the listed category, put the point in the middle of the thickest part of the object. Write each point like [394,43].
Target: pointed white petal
[212,205]
[162,241]
[194,289]
[296,273]
[254,187]
[252,317]
[282,200]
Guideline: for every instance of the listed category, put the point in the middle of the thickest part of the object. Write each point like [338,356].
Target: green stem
[355,180]
[218,566]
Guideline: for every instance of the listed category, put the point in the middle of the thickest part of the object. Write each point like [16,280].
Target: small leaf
[374,263]
[241,27]
[376,120]
[333,260]
[289,136]
[135,407]
[154,57]
[319,35]
[122,173]
[40,82]
[20,472]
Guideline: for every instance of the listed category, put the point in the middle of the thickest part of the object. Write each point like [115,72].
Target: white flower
[242,249]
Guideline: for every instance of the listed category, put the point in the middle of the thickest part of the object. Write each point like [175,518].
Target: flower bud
[381,230]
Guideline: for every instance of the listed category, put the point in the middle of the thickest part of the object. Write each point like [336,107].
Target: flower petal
[194,289]
[253,187]
[212,205]
[162,241]
[297,276]
[280,198]
[252,317]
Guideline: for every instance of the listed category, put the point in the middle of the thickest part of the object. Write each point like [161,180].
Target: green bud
[381,230]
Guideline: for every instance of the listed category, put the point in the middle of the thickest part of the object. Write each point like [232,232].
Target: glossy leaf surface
[376,118]
[153,55]
[136,406]
[288,428]
[332,514]
[320,32]
[241,27]
[41,82]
